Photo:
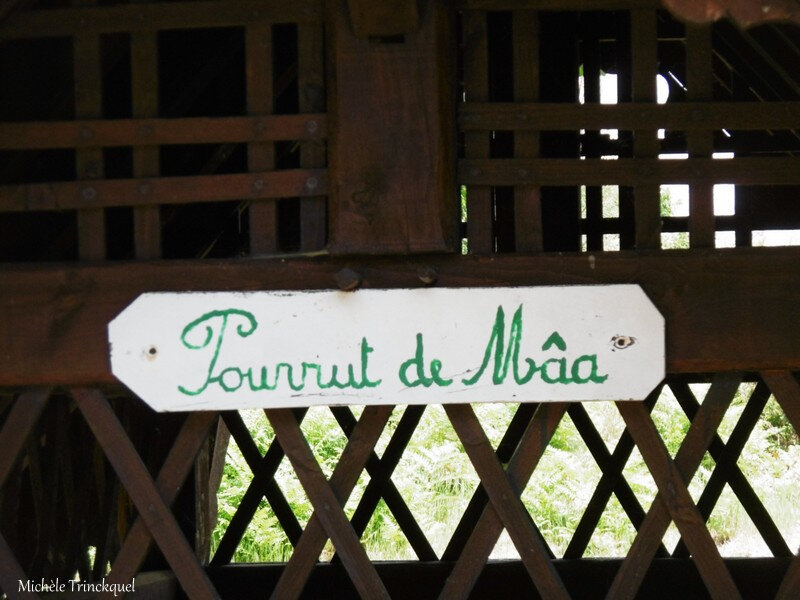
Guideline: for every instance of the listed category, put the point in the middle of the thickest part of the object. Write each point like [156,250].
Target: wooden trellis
[314,128]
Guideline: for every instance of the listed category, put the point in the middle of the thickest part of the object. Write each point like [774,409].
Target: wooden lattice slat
[139,484]
[327,498]
[260,156]
[672,490]
[699,81]
[476,82]
[527,199]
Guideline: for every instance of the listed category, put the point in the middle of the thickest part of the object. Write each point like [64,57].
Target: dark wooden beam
[388,169]
[383,19]
[732,309]
[153,17]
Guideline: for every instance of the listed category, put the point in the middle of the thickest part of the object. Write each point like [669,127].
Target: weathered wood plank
[555,5]
[686,116]
[388,169]
[161,190]
[527,199]
[732,309]
[328,499]
[156,16]
[629,171]
[311,91]
[383,19]
[505,501]
[89,163]
[700,86]
[644,57]
[480,233]
[144,94]
[261,156]
[90,133]
[133,474]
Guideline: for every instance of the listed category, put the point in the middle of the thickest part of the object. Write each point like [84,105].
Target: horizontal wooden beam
[153,132]
[162,190]
[684,116]
[65,22]
[628,171]
[732,309]
[555,5]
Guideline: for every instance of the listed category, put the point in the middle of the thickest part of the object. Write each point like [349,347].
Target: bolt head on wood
[427,275]
[348,280]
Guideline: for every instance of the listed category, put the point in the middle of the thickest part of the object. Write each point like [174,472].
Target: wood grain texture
[393,190]
[92,133]
[160,190]
[156,16]
[732,309]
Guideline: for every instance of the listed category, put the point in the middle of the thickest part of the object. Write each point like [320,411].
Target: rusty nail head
[523,172]
[258,184]
[145,188]
[312,126]
[312,183]
[348,280]
[88,193]
[427,275]
[474,172]
[260,127]
[86,133]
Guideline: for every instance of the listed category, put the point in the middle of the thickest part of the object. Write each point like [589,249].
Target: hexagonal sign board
[225,350]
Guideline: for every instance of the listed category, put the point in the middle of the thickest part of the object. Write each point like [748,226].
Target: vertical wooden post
[644,54]
[480,234]
[527,198]
[260,155]
[311,91]
[144,81]
[392,151]
[89,165]
[699,83]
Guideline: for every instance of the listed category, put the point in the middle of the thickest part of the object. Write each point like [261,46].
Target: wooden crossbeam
[171,477]
[643,171]
[489,527]
[686,116]
[787,392]
[727,471]
[477,503]
[163,190]
[673,500]
[328,498]
[17,427]
[93,133]
[380,483]
[506,502]
[263,485]
[140,486]
[612,481]
[156,16]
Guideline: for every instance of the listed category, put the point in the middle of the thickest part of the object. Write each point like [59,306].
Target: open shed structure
[268,145]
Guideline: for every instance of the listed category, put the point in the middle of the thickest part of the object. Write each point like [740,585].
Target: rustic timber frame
[313,146]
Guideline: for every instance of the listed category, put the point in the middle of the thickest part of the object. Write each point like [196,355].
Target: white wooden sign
[198,351]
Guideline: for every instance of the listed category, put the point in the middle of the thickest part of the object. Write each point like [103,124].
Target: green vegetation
[437,480]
